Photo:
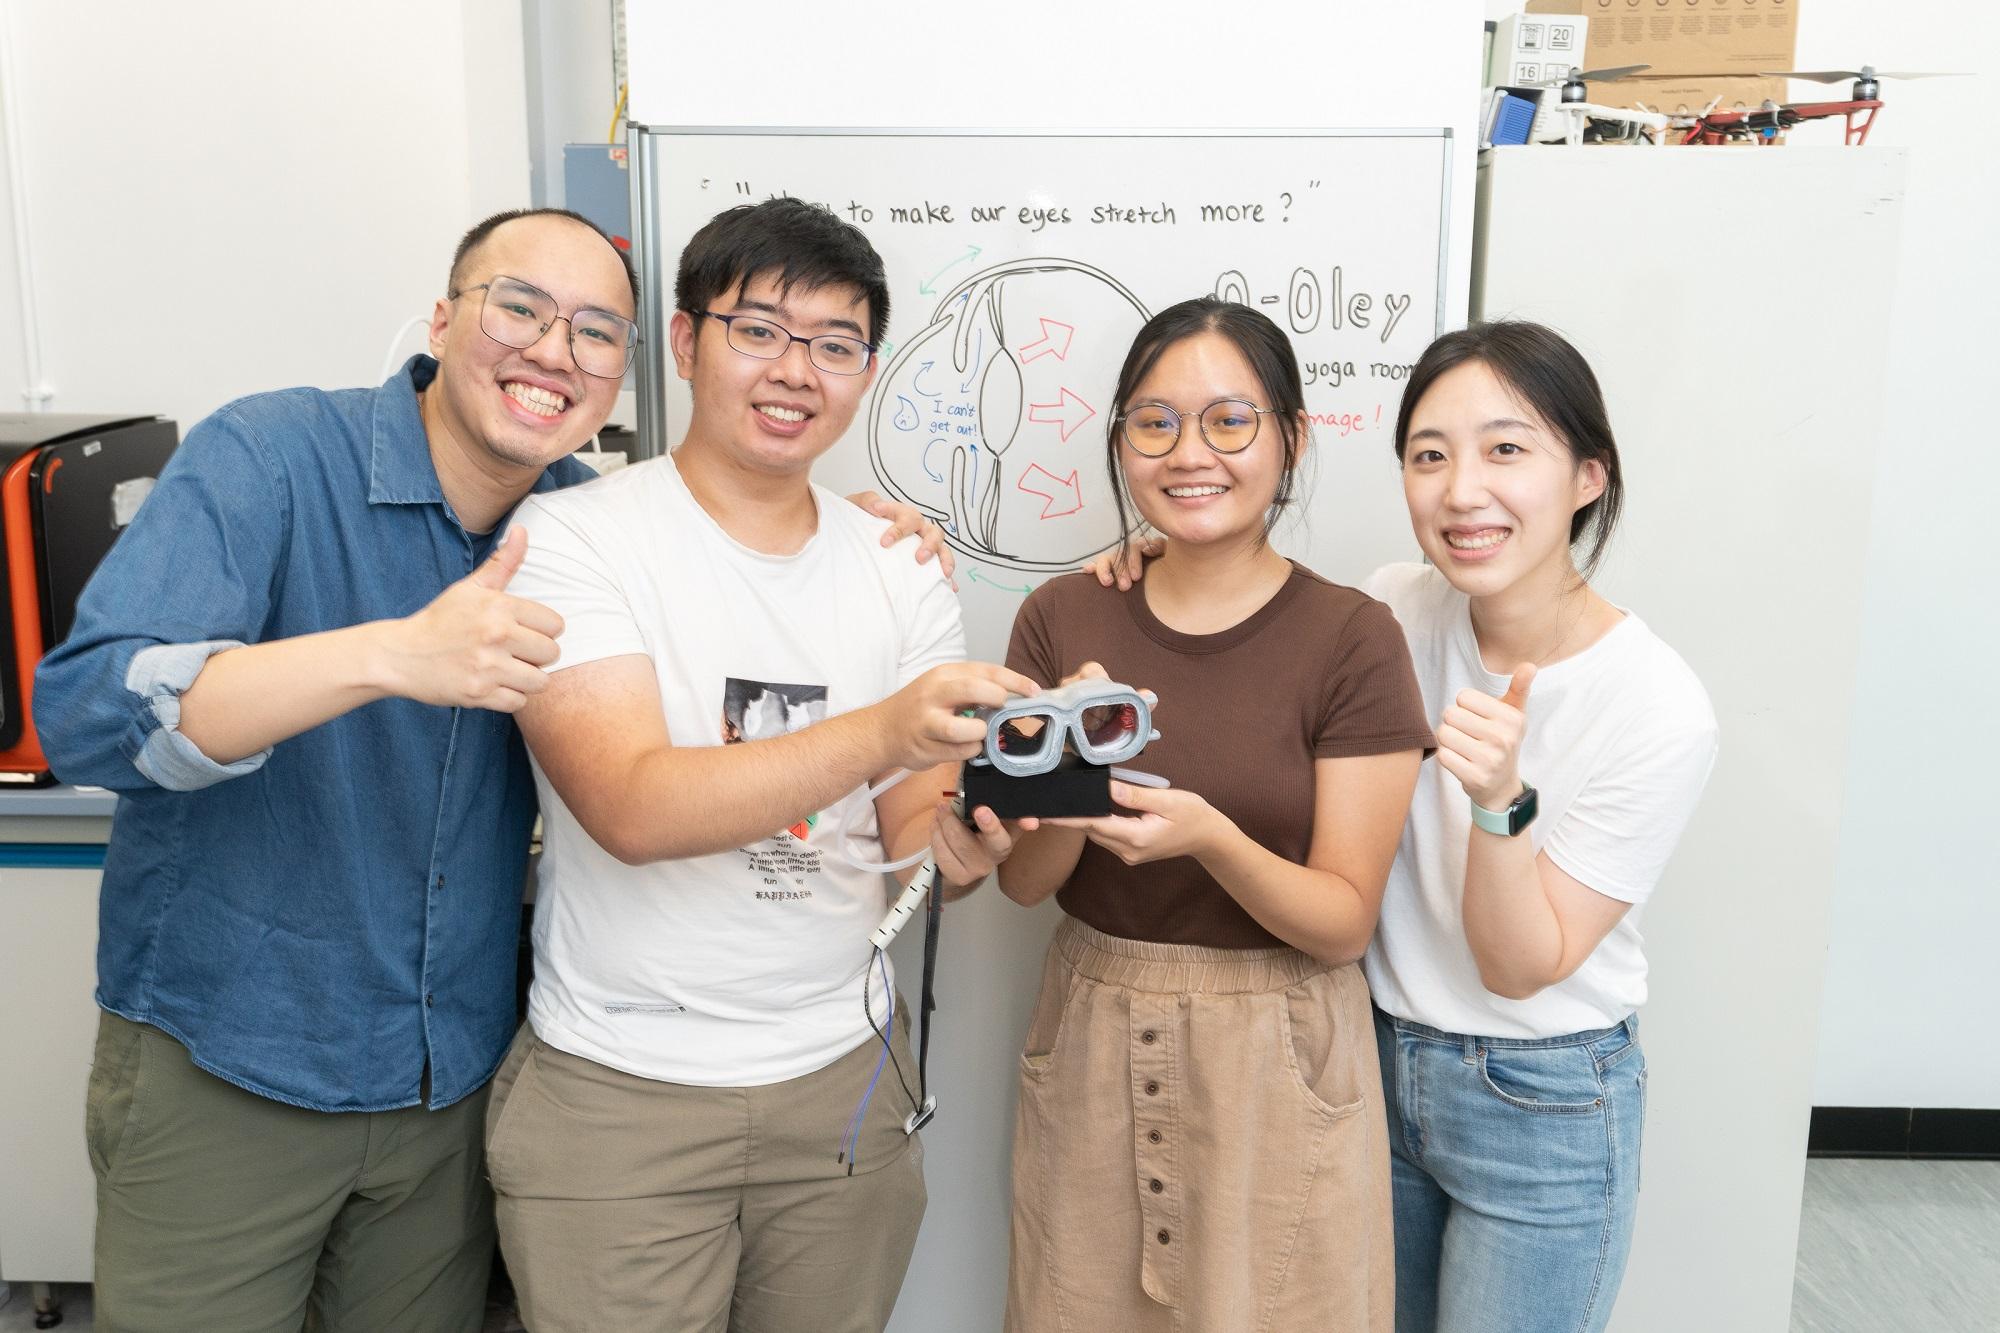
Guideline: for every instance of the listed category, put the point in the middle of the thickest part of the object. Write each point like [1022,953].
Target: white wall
[15,356]
[1910,991]
[242,196]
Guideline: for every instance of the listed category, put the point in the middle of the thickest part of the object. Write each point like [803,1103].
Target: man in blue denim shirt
[311,898]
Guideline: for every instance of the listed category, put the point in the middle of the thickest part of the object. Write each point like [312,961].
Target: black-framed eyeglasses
[1228,425]
[519,314]
[753,335]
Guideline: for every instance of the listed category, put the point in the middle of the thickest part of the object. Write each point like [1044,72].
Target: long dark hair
[1271,358]
[1549,375]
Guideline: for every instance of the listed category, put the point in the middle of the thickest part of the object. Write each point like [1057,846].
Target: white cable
[881,867]
[389,359]
[886,783]
[919,885]
[845,851]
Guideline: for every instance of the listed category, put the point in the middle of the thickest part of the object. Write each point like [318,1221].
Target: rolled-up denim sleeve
[160,675]
[192,576]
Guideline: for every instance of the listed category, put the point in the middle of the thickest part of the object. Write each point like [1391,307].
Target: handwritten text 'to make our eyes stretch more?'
[1039,216]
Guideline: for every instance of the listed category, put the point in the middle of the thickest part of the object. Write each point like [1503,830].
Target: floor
[1884,1247]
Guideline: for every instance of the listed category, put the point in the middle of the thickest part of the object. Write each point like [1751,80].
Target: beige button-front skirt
[1199,1146]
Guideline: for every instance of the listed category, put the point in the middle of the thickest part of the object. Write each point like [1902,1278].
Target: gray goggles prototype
[1108,723]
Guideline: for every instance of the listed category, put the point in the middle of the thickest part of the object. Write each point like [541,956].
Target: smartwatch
[1520,813]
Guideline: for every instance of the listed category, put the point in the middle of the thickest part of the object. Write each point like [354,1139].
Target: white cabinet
[1735,304]
[48,1026]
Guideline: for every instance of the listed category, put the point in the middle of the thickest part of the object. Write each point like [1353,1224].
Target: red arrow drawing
[1046,345]
[1066,414]
[1057,485]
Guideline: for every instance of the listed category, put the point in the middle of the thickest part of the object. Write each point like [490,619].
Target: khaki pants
[1200,1145]
[220,1209]
[629,1203]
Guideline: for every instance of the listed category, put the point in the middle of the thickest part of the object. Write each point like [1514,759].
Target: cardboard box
[1686,36]
[1533,48]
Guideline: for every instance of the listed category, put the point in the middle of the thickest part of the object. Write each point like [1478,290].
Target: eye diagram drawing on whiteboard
[980,418]
[1021,265]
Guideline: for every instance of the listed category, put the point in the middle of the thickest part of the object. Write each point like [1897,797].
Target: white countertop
[91,802]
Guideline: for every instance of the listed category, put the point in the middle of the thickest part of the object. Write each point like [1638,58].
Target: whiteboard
[1021,264]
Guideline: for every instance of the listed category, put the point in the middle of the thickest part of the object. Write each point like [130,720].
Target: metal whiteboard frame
[642,141]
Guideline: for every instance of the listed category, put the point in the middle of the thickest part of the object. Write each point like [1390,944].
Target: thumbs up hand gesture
[475,646]
[1479,740]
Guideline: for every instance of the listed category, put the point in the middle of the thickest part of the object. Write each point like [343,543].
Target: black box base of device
[1077,790]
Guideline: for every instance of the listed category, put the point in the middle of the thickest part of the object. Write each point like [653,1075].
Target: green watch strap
[1520,812]
[1493,821]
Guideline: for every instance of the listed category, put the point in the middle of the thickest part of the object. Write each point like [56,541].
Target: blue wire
[851,1142]
[881,1061]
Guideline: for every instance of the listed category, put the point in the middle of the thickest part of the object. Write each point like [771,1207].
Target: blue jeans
[1515,1167]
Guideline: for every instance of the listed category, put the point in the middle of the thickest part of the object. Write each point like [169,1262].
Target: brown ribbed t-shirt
[1318,672]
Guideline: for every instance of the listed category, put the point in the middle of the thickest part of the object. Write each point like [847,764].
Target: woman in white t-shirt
[1573,745]
[1507,963]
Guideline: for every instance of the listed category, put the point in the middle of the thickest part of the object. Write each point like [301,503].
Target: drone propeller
[1610,75]
[1572,83]
[1695,76]
[1866,88]
[1865,72]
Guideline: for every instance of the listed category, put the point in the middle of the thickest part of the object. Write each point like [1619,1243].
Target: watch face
[1522,812]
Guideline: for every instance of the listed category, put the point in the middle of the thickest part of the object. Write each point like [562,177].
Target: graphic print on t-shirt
[755,710]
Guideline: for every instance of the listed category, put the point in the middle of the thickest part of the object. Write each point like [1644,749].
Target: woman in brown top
[1200,1140]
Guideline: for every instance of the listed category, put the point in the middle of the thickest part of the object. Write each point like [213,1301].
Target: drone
[1574,119]
[1767,124]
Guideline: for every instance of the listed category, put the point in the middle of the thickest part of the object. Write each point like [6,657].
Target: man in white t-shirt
[702,1123]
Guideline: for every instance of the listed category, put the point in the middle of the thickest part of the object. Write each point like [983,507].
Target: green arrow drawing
[924,288]
[974,576]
